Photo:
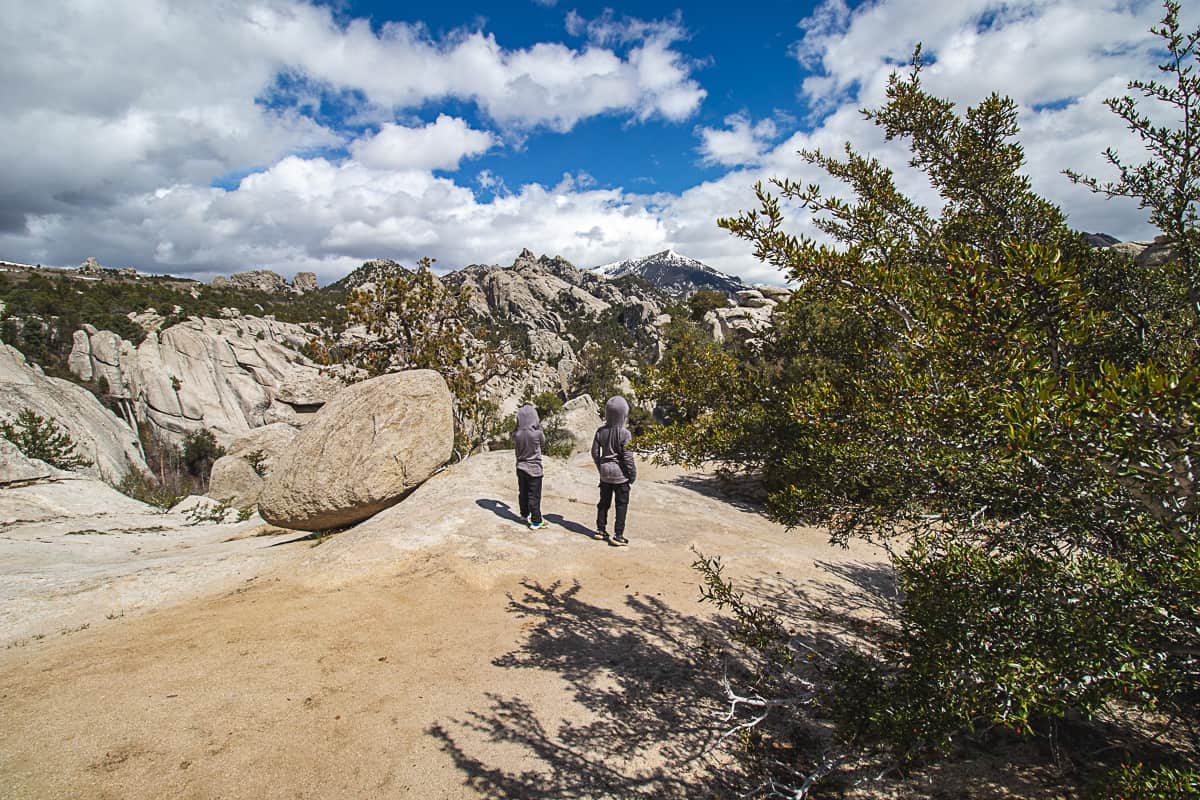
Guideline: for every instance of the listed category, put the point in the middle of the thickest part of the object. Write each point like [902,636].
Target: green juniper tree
[1008,410]
[42,438]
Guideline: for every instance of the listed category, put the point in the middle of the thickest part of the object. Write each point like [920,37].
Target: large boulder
[366,448]
[305,282]
[262,280]
[579,418]
[1159,252]
[235,482]
[238,477]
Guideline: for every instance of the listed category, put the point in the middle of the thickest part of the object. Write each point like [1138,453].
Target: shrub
[704,301]
[147,489]
[200,450]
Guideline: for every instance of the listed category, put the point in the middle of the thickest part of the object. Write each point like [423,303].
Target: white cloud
[114,99]
[439,145]
[608,29]
[739,143]
[1057,59]
[118,118]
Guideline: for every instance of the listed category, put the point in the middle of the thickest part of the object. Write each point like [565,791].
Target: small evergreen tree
[200,452]
[42,438]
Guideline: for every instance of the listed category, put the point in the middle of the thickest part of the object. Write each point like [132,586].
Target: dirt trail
[439,651]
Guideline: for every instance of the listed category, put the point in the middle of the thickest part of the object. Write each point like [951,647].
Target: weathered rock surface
[580,417]
[99,436]
[221,374]
[305,282]
[238,477]
[235,482]
[199,509]
[1160,251]
[75,552]
[263,280]
[16,468]
[743,322]
[307,389]
[363,451]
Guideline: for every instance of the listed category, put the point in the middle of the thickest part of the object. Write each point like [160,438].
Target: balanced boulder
[366,448]
[238,476]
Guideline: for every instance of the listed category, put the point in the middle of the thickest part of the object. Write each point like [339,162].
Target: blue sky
[201,139]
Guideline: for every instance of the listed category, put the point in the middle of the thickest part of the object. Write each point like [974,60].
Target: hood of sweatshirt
[527,418]
[616,411]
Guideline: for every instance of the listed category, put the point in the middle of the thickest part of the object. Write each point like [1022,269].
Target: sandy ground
[440,650]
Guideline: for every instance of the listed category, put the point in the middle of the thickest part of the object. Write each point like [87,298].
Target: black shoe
[618,541]
[600,535]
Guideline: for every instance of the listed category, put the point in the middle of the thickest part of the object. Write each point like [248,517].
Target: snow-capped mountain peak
[673,272]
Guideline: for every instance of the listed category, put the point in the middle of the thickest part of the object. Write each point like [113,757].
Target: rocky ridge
[226,375]
[265,280]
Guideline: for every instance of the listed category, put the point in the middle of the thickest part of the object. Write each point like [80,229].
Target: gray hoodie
[609,444]
[529,438]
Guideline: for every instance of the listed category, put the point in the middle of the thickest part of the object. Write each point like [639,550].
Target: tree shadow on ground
[712,486]
[640,674]
[650,706]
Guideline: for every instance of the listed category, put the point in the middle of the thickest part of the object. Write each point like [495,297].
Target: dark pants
[529,491]
[607,491]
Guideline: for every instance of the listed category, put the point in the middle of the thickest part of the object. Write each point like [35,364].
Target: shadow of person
[573,527]
[499,508]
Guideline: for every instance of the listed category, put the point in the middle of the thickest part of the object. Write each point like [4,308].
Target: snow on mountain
[674,273]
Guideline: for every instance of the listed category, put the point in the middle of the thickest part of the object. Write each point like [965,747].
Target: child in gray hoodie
[617,469]
[529,438]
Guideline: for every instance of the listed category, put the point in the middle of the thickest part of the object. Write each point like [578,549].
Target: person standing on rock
[528,439]
[617,469]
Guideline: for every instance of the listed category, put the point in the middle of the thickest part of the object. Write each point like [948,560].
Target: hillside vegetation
[44,308]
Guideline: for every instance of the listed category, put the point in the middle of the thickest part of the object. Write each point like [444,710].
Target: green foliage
[211,514]
[1168,184]
[175,472]
[704,301]
[1011,411]
[547,403]
[200,451]
[147,489]
[600,370]
[1136,782]
[42,438]
[549,406]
